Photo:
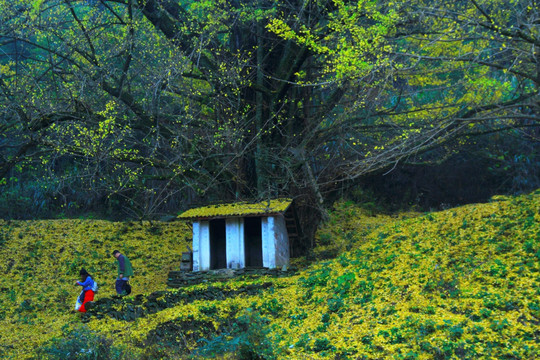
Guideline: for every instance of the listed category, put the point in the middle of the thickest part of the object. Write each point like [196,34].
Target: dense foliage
[460,283]
[139,107]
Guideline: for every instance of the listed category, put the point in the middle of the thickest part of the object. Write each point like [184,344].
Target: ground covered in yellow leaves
[457,284]
[40,262]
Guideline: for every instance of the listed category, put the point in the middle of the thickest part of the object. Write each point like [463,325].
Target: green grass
[456,284]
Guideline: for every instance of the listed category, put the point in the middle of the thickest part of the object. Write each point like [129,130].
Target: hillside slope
[461,283]
[40,261]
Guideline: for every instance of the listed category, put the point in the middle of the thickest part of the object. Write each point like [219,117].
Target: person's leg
[119,286]
[124,283]
[81,297]
[80,300]
[88,296]
[126,287]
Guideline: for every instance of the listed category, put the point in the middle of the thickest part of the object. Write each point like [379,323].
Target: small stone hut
[240,235]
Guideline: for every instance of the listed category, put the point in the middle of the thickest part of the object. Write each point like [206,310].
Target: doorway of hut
[218,259]
[253,241]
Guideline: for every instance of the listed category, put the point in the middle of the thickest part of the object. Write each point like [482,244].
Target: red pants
[88,296]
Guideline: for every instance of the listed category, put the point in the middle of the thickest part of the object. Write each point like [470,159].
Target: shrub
[245,339]
[81,344]
[322,345]
[335,304]
[272,307]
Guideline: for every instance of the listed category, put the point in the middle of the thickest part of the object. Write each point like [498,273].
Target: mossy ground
[40,262]
[461,283]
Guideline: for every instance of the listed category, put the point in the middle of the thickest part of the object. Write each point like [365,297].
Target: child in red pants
[87,293]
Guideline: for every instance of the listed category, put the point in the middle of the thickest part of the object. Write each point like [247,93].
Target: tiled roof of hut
[276,206]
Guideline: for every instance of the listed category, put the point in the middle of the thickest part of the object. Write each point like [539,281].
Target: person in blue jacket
[87,293]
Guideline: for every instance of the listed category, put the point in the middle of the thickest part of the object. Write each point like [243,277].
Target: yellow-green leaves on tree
[352,39]
[36,6]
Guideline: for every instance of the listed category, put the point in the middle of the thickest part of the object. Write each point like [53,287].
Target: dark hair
[115,252]
[84,274]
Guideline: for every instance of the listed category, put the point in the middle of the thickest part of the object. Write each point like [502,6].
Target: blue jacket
[87,284]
